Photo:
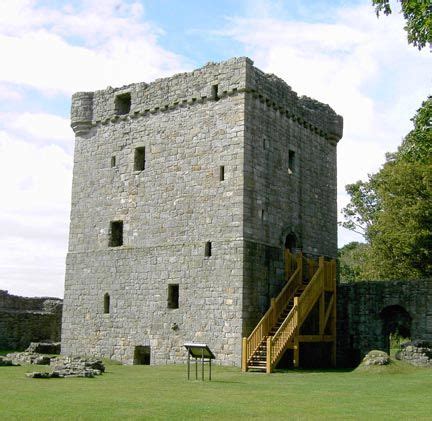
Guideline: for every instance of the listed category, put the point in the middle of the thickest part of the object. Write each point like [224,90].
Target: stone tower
[186,191]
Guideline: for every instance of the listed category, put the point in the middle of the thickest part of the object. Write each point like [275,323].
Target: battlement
[212,82]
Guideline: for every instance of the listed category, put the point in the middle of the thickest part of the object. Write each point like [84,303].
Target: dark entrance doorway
[291,242]
[142,355]
[396,326]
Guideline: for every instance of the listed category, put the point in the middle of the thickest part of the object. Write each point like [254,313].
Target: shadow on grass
[313,370]
[6,351]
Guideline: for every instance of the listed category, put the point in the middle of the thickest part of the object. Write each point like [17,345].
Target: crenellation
[232,77]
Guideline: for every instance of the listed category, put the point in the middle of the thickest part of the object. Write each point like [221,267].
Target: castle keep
[186,193]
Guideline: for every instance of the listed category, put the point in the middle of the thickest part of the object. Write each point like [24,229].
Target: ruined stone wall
[24,320]
[205,180]
[361,309]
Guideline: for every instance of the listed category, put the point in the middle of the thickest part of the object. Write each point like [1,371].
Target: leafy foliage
[393,210]
[360,214]
[417,145]
[401,238]
[418,16]
[353,260]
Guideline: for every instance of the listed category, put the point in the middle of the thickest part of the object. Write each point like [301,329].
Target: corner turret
[82,112]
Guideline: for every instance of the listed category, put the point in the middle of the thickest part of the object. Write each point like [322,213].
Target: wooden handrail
[283,335]
[322,277]
[297,315]
[278,304]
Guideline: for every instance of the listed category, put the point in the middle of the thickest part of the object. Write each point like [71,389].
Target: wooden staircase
[309,284]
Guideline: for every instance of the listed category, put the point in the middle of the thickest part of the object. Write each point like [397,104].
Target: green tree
[393,209]
[361,213]
[418,16]
[417,145]
[401,237]
[353,261]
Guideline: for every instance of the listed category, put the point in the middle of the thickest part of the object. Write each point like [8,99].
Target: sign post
[197,351]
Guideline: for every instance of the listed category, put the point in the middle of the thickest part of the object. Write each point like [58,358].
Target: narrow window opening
[291,161]
[106,303]
[173,296]
[222,173]
[141,355]
[214,92]
[113,161]
[208,249]
[265,144]
[139,159]
[262,215]
[116,234]
[123,104]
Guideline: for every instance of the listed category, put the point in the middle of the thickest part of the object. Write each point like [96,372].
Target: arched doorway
[396,326]
[291,242]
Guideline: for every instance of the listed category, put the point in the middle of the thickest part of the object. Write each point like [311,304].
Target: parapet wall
[308,112]
[211,82]
[24,320]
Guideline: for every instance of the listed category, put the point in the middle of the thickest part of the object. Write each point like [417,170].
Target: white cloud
[10,93]
[39,127]
[35,181]
[361,66]
[86,47]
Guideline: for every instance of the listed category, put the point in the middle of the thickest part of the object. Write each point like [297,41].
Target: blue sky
[335,51]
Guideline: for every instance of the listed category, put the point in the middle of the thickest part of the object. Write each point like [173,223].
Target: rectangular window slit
[139,159]
[208,249]
[222,173]
[116,234]
[214,92]
[106,303]
[173,296]
[291,161]
[113,161]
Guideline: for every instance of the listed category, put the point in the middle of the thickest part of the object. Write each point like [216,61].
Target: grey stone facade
[368,312]
[24,320]
[233,157]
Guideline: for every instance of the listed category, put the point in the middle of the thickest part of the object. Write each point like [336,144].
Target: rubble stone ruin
[186,193]
[23,320]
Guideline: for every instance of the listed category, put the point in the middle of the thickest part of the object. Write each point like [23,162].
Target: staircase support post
[287,261]
[268,355]
[299,261]
[244,355]
[296,351]
[322,313]
[334,314]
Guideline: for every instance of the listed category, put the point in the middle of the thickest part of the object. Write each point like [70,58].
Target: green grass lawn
[163,392]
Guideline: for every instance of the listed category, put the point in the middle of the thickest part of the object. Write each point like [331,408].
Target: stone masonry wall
[169,211]
[205,180]
[361,310]
[290,184]
[24,320]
